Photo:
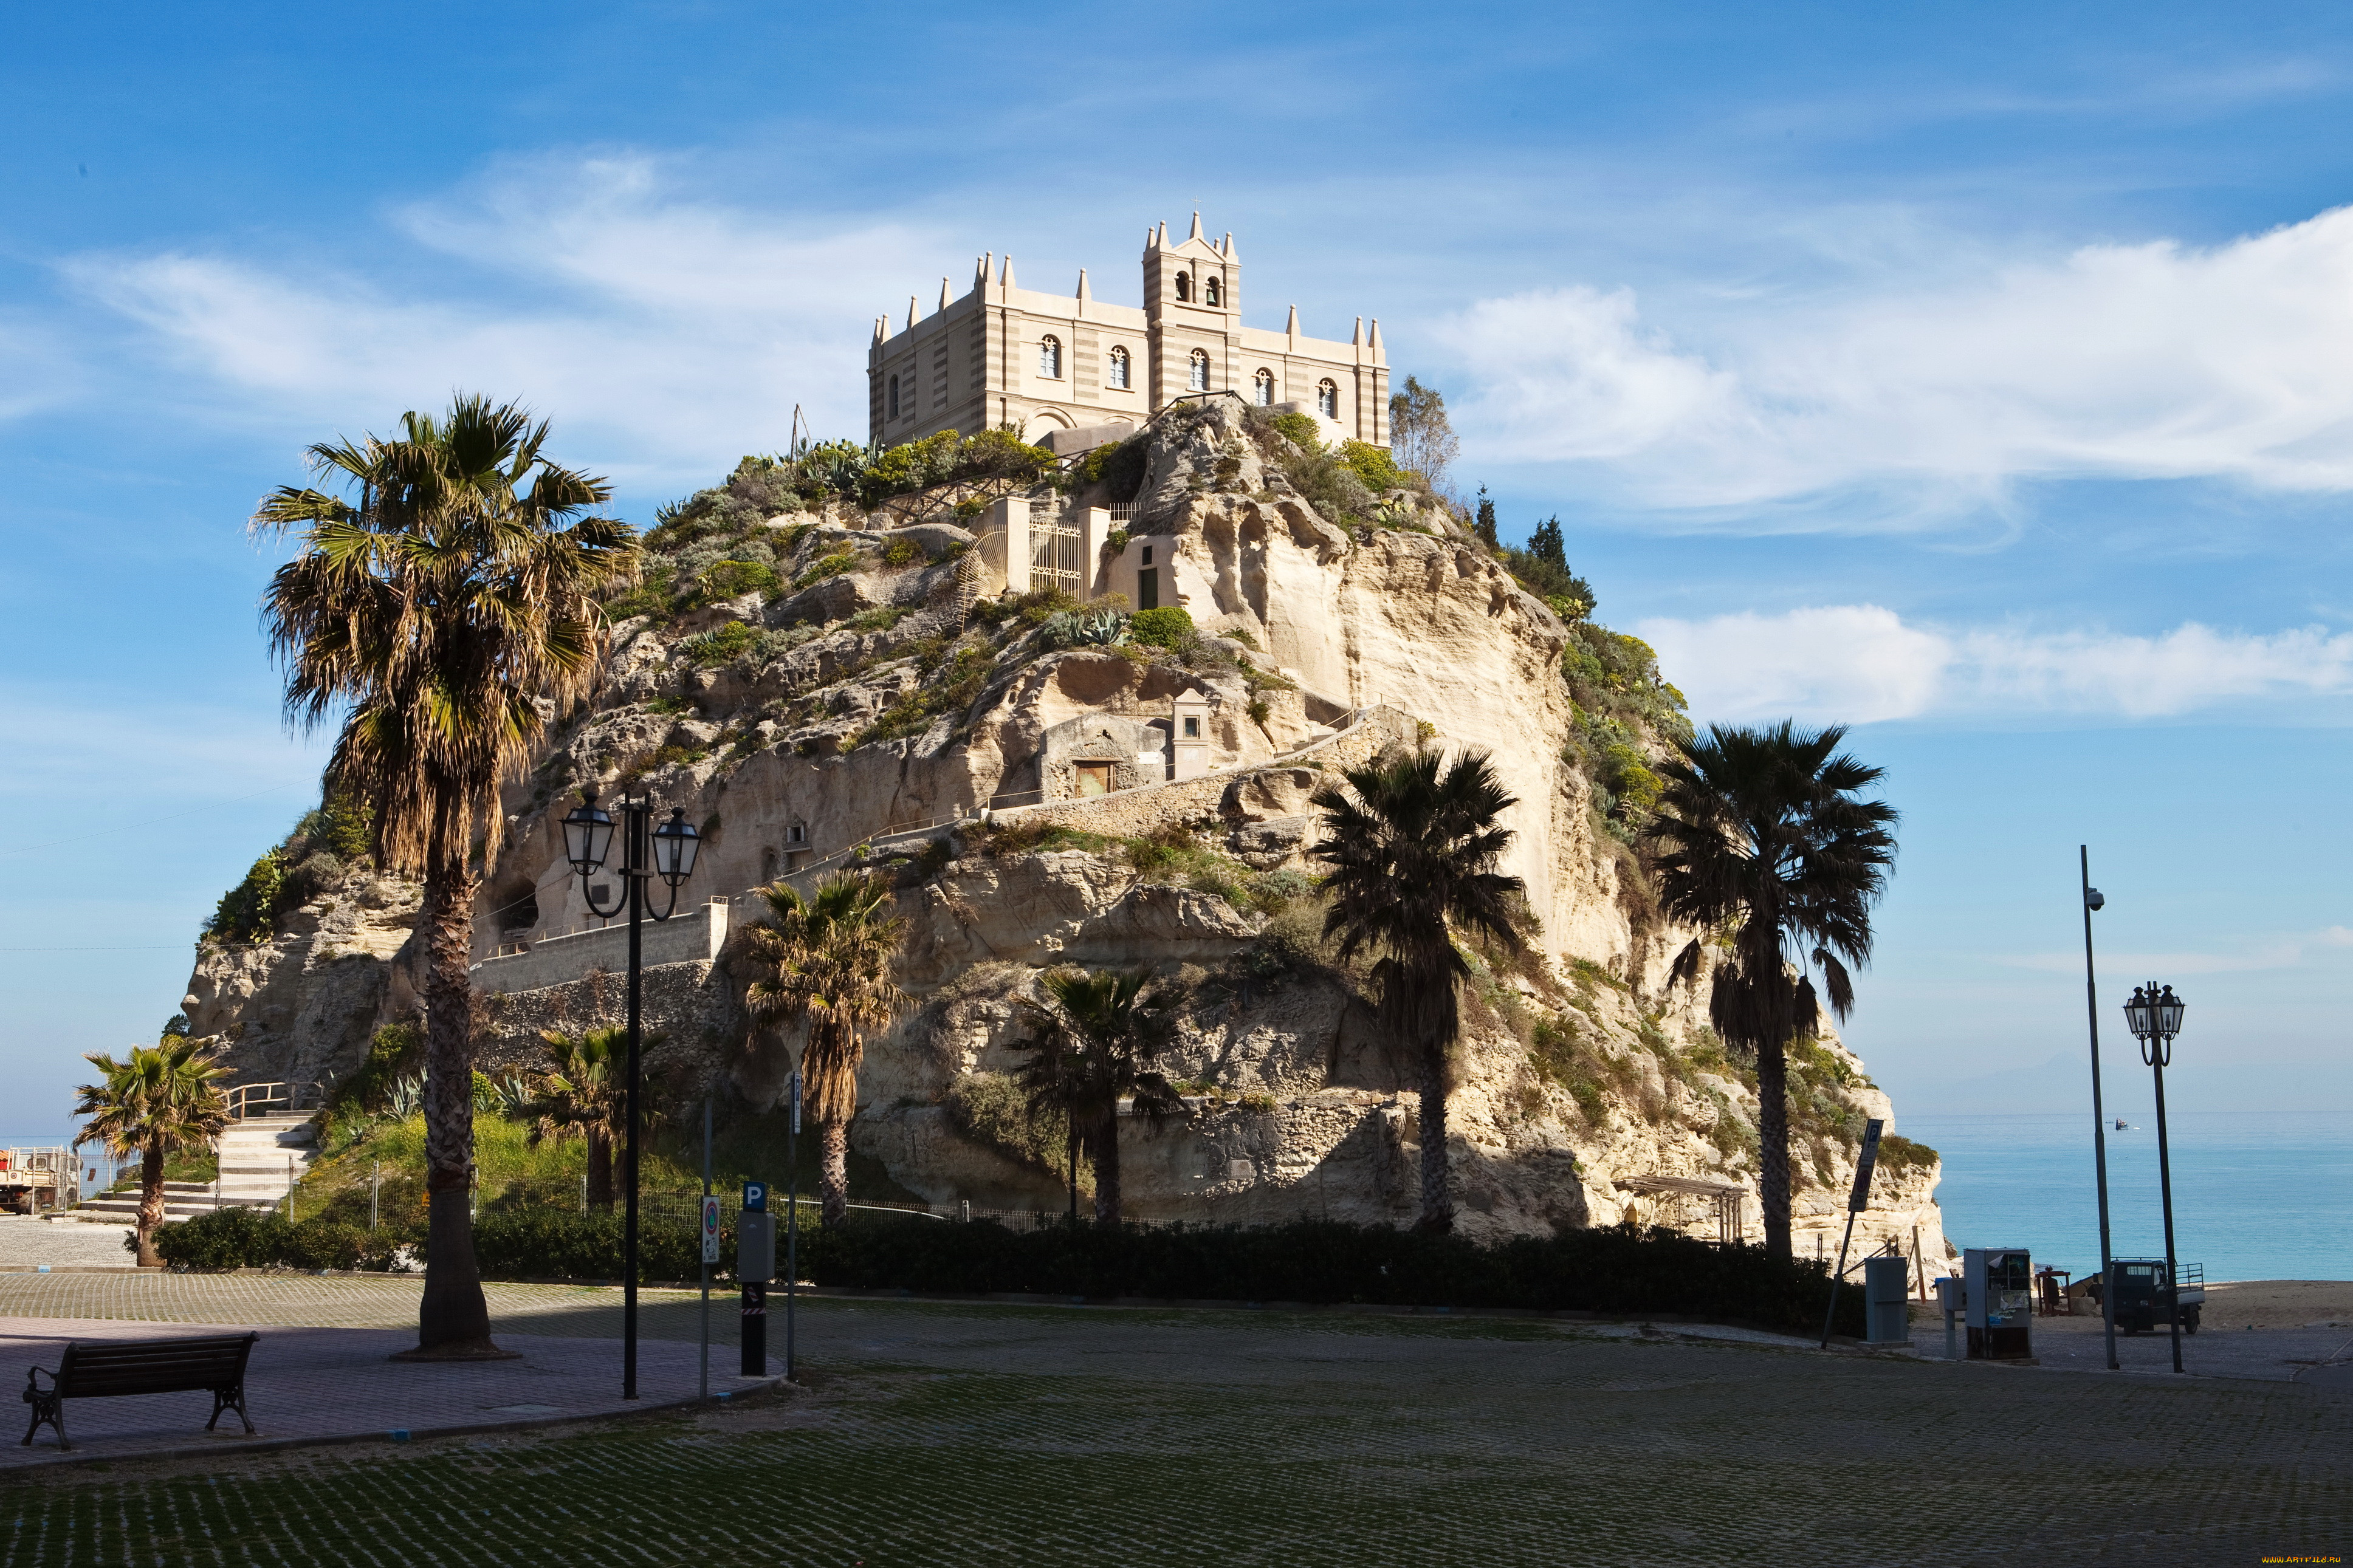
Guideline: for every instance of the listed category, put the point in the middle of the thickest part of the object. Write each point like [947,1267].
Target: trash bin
[1887,1307]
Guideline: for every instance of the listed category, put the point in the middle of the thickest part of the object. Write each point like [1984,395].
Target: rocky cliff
[818,690]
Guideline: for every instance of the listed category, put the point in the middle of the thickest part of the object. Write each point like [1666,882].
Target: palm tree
[1093,1044]
[581,1096]
[825,960]
[158,1098]
[1413,842]
[446,615]
[1760,829]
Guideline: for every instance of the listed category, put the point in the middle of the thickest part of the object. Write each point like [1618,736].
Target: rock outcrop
[859,710]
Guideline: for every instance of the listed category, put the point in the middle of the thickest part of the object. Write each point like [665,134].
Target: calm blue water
[2254,1196]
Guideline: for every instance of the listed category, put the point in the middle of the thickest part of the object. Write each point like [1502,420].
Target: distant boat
[2122,1125]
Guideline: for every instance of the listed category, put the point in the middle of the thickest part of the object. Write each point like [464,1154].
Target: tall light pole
[2155,1017]
[669,852]
[2093,901]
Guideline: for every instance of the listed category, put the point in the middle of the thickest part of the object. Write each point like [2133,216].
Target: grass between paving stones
[1265,1445]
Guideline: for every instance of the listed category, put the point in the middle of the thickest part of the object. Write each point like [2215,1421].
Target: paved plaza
[931,1433]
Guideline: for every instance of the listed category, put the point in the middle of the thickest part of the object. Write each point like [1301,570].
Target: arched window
[1118,369]
[1199,380]
[894,398]
[1184,285]
[1327,400]
[1264,383]
[1209,294]
[1049,357]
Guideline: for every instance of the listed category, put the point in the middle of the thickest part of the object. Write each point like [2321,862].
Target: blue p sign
[755,1198]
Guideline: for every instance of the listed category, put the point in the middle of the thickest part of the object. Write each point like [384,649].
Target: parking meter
[756,1264]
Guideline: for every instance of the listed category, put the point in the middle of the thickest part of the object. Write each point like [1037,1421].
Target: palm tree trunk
[1437,1204]
[833,1171]
[1104,1147]
[1773,1139]
[453,1320]
[600,1169]
[150,1202]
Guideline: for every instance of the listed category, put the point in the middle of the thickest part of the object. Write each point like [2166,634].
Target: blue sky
[1981,376]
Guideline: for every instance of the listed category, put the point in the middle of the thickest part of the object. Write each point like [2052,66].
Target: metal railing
[270,1099]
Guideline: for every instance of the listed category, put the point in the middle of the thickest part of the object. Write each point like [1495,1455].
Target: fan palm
[825,960]
[1413,842]
[1092,1043]
[446,609]
[158,1098]
[1762,830]
[581,1096]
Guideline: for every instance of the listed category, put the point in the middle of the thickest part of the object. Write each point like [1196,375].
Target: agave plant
[405,1099]
[1075,628]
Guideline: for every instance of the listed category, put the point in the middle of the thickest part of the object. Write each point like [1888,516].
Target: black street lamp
[2154,1016]
[667,851]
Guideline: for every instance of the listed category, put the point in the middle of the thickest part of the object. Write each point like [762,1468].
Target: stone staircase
[261,1157]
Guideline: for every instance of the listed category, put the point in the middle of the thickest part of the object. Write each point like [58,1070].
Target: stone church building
[1071,371]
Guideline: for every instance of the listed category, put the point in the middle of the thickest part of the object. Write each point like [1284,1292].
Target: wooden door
[1094,778]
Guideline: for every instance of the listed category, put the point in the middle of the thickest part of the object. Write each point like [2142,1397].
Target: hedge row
[1618,1272]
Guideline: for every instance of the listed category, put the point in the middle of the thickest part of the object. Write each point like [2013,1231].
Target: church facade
[1071,372]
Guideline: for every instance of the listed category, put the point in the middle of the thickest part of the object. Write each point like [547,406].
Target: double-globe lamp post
[2154,1015]
[667,851]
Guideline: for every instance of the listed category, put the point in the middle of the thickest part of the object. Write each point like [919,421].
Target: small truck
[2144,1297]
[32,1180]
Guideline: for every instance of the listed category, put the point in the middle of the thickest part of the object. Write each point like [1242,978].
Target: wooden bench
[96,1369]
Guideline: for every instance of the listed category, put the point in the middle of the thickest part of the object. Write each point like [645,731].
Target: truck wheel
[2189,1321]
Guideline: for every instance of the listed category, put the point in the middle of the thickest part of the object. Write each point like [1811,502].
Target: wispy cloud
[670,330]
[1860,663]
[2157,360]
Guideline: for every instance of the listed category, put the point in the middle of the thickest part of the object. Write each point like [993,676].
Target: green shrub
[1119,469]
[832,566]
[902,553]
[1116,541]
[950,691]
[878,620]
[1619,1270]
[1376,465]
[651,596]
[721,645]
[990,1109]
[733,579]
[1167,626]
[261,1238]
[1300,429]
[1901,1154]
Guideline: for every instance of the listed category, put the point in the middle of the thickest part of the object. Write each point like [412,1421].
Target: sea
[2256,1195]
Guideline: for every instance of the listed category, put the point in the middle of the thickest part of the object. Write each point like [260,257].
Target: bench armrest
[33,1375]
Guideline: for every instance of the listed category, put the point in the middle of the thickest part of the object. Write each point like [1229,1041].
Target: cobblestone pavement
[27,1243]
[957,1435]
[318,1383]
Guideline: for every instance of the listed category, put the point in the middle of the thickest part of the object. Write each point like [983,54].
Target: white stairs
[260,1158]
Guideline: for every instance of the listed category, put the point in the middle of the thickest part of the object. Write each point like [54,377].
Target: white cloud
[1860,663]
[663,331]
[2142,360]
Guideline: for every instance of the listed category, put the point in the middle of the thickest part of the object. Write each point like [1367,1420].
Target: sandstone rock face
[301,1007]
[838,734]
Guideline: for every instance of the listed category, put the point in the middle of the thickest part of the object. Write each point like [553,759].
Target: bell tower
[1192,303]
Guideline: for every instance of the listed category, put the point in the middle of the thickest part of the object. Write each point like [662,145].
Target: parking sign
[711,1227]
